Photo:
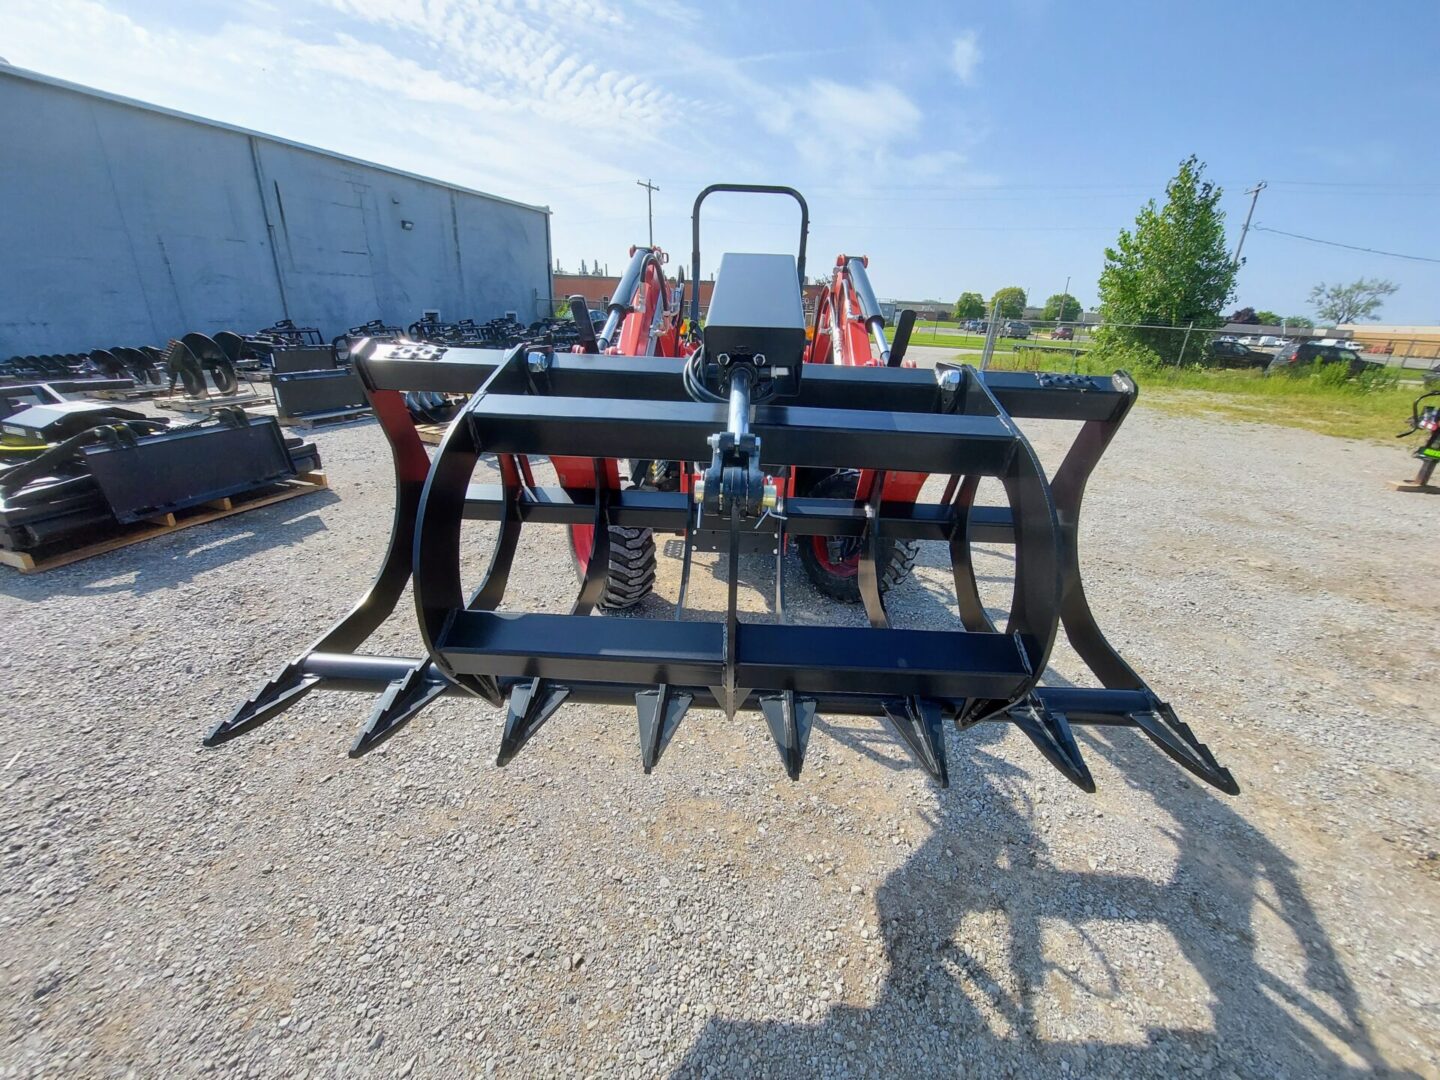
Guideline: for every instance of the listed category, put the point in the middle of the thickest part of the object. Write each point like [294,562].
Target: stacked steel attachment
[751,416]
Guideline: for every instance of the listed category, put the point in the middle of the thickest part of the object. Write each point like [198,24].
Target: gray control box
[756,310]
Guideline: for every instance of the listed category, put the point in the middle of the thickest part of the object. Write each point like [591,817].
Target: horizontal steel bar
[565,647]
[1023,394]
[809,659]
[355,673]
[864,660]
[789,435]
[667,511]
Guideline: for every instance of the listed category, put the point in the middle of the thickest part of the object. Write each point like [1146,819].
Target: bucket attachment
[954,422]
[749,420]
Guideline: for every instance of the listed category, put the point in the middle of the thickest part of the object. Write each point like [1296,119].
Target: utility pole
[1254,194]
[1064,293]
[650,190]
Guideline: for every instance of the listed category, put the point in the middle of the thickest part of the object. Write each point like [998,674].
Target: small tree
[1268,318]
[971,305]
[1174,268]
[1009,301]
[1298,320]
[1247,316]
[1360,299]
[1062,307]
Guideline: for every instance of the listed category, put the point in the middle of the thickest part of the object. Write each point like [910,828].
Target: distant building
[599,290]
[1303,333]
[125,223]
[926,310]
[1401,341]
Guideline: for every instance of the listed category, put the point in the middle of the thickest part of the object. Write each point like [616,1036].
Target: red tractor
[645,318]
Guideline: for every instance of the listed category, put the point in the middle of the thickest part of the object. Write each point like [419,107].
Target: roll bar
[753,189]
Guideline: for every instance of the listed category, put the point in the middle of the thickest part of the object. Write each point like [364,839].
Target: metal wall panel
[122,223]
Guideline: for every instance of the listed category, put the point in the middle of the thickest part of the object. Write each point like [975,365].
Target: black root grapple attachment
[953,422]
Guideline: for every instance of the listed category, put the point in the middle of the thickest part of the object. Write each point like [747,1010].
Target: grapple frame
[954,421]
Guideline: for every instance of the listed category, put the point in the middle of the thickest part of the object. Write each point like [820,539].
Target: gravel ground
[270,908]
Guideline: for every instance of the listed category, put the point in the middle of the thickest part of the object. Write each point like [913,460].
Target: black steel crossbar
[679,431]
[814,660]
[1025,395]
[669,511]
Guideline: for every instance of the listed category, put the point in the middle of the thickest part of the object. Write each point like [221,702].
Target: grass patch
[1319,399]
[925,336]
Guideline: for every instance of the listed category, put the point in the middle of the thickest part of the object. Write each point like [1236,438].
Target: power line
[1351,247]
[1359,183]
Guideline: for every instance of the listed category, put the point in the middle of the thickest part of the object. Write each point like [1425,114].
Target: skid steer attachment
[744,404]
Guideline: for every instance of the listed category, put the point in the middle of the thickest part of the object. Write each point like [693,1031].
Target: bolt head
[537,361]
[948,380]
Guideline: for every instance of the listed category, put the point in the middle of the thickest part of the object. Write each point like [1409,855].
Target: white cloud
[497,95]
[965,56]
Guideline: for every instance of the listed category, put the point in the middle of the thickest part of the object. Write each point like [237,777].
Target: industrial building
[127,223]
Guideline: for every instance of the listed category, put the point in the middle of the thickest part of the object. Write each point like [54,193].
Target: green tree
[1172,269]
[1010,301]
[1360,299]
[1269,318]
[971,305]
[1062,307]
[1298,320]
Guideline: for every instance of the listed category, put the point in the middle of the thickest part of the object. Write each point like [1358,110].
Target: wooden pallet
[137,393]
[206,405]
[55,555]
[431,434]
[319,419]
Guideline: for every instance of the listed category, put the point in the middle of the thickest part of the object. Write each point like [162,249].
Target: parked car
[1014,328]
[1063,333]
[1270,341]
[1292,357]
[1227,352]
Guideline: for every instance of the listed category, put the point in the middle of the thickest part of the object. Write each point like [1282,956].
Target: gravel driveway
[270,908]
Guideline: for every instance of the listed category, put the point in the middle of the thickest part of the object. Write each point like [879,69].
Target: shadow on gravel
[168,561]
[970,925]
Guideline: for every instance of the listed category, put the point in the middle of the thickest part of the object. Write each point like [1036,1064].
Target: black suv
[1231,354]
[1291,357]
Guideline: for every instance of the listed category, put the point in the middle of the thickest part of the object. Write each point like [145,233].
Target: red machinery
[644,318]
[849,329]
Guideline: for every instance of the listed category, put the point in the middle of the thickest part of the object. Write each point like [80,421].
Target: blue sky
[961,146]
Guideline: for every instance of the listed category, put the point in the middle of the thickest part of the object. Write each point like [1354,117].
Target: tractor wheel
[832,563]
[632,564]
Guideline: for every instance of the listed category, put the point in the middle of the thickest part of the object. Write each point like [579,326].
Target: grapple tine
[790,719]
[531,704]
[270,700]
[659,711]
[920,723]
[1050,732]
[1174,736]
[397,706]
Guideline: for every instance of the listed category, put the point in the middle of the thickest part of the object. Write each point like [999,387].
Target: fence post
[991,332]
[1185,343]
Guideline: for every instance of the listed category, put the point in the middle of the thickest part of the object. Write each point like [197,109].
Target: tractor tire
[632,568]
[833,565]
